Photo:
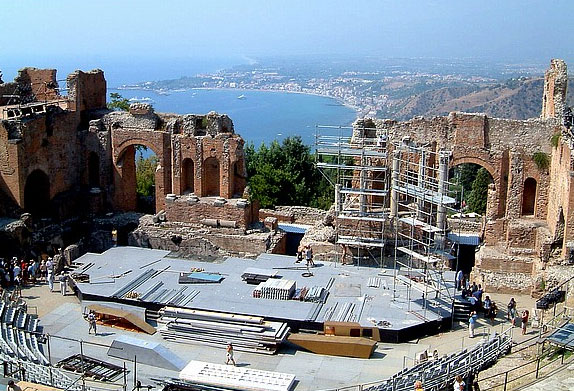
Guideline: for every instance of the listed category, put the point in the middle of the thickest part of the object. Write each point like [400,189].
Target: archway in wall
[138,165]
[146,163]
[37,194]
[529,197]
[94,170]
[188,176]
[210,177]
[470,181]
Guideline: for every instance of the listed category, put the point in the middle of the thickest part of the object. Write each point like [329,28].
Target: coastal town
[372,89]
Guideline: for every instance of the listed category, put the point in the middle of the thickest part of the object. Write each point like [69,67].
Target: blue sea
[259,116]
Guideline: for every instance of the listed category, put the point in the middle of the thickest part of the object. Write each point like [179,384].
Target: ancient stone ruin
[67,158]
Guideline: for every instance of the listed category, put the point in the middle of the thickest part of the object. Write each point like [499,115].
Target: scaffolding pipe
[442,187]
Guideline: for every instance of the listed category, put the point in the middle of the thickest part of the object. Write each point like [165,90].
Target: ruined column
[555,85]
[395,183]
[444,157]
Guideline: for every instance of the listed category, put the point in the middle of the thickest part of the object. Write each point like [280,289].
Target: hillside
[516,98]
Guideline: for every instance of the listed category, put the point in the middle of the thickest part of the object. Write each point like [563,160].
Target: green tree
[118,102]
[145,176]
[479,193]
[284,174]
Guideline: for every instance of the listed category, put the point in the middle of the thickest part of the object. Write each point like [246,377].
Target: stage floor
[350,296]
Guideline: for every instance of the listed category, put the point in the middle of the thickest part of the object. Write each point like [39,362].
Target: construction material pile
[276,289]
[247,333]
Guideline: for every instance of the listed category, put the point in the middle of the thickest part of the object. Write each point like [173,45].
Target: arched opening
[529,197]
[188,176]
[210,177]
[469,181]
[37,194]
[94,170]
[138,165]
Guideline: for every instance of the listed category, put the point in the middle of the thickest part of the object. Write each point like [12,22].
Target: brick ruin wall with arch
[86,151]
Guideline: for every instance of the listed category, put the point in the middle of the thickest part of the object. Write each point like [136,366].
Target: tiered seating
[437,374]
[18,332]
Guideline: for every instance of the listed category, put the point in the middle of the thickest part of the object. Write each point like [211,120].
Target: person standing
[511,314]
[524,319]
[64,284]
[92,322]
[459,278]
[458,384]
[309,256]
[229,354]
[419,386]
[471,324]
[50,271]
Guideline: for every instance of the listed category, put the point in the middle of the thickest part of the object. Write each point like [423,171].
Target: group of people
[490,312]
[458,385]
[15,273]
[307,253]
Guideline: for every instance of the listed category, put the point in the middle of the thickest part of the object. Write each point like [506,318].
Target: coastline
[356,109]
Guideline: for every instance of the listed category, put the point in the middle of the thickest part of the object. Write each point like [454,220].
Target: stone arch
[486,164]
[529,197]
[125,176]
[37,193]
[93,170]
[210,178]
[187,176]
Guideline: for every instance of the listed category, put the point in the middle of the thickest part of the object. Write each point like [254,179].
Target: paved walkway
[62,317]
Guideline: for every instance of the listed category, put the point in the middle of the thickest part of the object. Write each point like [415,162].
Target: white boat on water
[141,100]
[241,97]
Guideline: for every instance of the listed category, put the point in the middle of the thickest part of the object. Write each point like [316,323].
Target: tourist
[471,324]
[43,270]
[64,284]
[92,322]
[511,314]
[474,287]
[12,386]
[458,383]
[16,271]
[524,319]
[493,311]
[50,271]
[459,279]
[486,306]
[309,256]
[418,385]
[229,354]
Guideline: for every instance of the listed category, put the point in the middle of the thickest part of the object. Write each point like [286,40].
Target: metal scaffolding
[355,161]
[395,196]
[421,199]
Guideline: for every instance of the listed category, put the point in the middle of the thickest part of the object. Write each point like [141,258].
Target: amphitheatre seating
[438,374]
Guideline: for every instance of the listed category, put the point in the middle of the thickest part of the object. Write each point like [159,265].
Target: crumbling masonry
[63,156]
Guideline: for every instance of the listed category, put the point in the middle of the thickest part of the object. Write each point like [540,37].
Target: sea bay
[258,116]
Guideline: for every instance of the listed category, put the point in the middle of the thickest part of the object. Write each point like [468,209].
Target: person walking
[92,322]
[229,354]
[471,324]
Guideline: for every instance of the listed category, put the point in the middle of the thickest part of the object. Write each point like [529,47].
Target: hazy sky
[518,30]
